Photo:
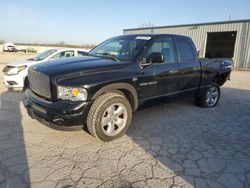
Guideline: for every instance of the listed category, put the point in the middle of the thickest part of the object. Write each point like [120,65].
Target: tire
[210,97]
[109,117]
[26,84]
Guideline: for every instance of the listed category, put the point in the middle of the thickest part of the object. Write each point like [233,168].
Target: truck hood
[76,66]
[21,63]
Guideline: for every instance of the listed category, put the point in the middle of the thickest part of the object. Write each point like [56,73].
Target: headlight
[72,93]
[16,70]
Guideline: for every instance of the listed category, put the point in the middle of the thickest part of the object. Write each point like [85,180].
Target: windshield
[124,48]
[43,55]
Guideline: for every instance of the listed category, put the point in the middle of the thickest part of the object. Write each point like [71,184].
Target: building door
[220,44]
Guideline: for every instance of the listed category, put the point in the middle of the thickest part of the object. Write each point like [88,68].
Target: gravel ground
[171,144]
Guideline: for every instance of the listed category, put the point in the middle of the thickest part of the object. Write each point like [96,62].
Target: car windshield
[43,55]
[123,48]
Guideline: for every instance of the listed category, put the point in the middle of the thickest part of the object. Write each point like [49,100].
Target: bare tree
[149,24]
[2,41]
[60,44]
[89,46]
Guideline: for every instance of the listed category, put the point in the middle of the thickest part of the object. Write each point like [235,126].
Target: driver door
[160,79]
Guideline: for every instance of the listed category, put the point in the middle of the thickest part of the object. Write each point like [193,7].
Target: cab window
[165,46]
[64,54]
[185,49]
[112,48]
[123,48]
[82,53]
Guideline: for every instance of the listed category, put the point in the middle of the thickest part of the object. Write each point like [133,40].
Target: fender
[120,86]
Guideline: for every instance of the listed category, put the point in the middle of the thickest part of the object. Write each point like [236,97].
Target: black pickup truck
[102,89]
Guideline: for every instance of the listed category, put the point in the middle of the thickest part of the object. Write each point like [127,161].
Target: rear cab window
[82,53]
[185,49]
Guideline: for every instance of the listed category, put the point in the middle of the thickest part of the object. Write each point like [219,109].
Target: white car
[9,47]
[15,74]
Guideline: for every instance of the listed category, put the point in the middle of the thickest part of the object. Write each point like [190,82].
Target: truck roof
[66,49]
[155,35]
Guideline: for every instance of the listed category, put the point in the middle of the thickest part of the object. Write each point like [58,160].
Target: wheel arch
[127,89]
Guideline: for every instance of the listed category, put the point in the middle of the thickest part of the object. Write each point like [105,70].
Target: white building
[229,39]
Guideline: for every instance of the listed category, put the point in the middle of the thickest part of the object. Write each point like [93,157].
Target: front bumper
[13,81]
[64,115]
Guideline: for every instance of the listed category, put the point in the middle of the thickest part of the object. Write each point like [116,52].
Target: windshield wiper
[108,56]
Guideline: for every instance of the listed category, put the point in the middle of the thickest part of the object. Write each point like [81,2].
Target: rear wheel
[109,117]
[210,97]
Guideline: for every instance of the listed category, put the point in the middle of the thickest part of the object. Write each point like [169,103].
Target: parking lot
[172,144]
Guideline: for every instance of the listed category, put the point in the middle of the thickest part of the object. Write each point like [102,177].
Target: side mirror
[156,57]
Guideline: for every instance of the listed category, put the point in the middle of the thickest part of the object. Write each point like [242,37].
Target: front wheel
[210,97]
[109,117]
[26,84]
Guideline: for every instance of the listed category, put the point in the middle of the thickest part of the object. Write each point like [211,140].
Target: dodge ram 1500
[104,88]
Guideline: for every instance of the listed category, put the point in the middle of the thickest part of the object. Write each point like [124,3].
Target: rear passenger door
[189,65]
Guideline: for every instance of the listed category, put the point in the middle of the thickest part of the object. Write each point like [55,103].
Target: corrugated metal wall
[199,34]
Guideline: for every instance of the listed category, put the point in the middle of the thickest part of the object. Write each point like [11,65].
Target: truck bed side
[214,71]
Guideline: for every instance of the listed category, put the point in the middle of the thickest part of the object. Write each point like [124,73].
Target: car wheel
[210,97]
[26,84]
[109,117]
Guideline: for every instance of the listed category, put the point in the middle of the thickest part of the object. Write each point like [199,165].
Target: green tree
[2,41]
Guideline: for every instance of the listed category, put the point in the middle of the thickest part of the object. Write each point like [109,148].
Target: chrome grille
[39,83]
